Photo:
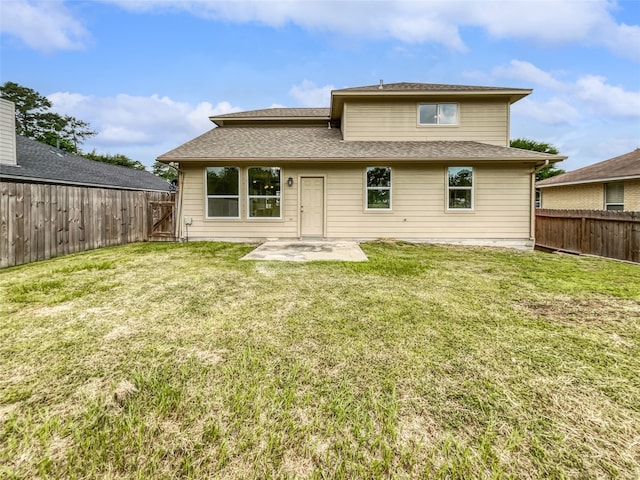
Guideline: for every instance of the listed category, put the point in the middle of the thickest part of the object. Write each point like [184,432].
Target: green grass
[179,361]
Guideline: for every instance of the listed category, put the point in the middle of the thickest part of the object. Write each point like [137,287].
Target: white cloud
[141,127]
[308,94]
[49,25]
[554,111]
[587,97]
[553,22]
[42,25]
[606,99]
[530,73]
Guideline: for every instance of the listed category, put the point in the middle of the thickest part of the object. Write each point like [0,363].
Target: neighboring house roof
[322,144]
[624,167]
[38,162]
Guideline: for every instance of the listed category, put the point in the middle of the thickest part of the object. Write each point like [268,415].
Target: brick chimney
[7,133]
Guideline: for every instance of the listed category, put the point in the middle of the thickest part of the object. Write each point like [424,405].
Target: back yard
[178,360]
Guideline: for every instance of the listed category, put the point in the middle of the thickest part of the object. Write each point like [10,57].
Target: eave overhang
[339,97]
[595,180]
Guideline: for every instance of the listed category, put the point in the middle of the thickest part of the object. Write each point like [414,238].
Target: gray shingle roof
[424,87]
[323,144]
[618,168]
[38,162]
[278,112]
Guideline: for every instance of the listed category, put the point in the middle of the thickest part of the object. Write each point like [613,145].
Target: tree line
[35,120]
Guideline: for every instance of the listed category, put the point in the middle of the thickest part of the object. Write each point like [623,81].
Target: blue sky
[147,74]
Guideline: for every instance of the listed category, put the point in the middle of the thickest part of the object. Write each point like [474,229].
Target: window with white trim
[460,188]
[378,188]
[614,196]
[223,187]
[438,114]
[263,188]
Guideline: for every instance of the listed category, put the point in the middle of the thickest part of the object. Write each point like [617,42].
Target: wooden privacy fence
[593,232]
[42,221]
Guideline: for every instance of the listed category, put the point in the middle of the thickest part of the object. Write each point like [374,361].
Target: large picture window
[460,188]
[378,188]
[223,192]
[264,192]
[438,113]
[614,196]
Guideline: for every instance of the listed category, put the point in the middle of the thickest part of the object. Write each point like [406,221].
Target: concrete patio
[308,251]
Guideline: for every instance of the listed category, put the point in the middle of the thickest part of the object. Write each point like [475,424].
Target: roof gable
[618,168]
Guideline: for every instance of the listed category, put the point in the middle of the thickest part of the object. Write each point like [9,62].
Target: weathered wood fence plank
[42,221]
[592,232]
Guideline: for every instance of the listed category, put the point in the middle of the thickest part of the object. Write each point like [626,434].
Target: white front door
[312,207]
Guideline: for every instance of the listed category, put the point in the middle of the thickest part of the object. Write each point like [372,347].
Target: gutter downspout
[179,199]
[532,221]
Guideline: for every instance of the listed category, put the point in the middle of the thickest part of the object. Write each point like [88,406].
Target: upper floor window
[460,188]
[614,196]
[378,188]
[223,188]
[438,113]
[264,192]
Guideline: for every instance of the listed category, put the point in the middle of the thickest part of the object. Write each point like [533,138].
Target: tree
[117,159]
[550,170]
[164,171]
[34,120]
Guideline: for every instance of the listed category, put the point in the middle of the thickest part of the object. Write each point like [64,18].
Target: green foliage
[526,144]
[550,170]
[34,120]
[115,159]
[164,171]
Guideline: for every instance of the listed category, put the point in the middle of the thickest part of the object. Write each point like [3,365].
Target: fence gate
[162,218]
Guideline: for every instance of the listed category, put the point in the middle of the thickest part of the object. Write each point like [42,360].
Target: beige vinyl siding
[7,133]
[502,205]
[481,121]
[194,208]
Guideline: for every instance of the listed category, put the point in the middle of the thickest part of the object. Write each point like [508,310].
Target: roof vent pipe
[381,85]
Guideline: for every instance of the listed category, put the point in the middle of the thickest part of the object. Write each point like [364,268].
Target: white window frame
[367,188]
[608,204]
[439,115]
[277,197]
[471,188]
[206,189]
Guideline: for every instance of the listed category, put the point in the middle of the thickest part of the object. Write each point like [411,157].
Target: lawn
[178,360]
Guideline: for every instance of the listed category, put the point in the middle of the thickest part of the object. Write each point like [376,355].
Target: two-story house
[413,161]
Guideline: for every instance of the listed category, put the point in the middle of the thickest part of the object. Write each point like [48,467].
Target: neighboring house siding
[632,195]
[486,122]
[588,196]
[501,206]
[574,197]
